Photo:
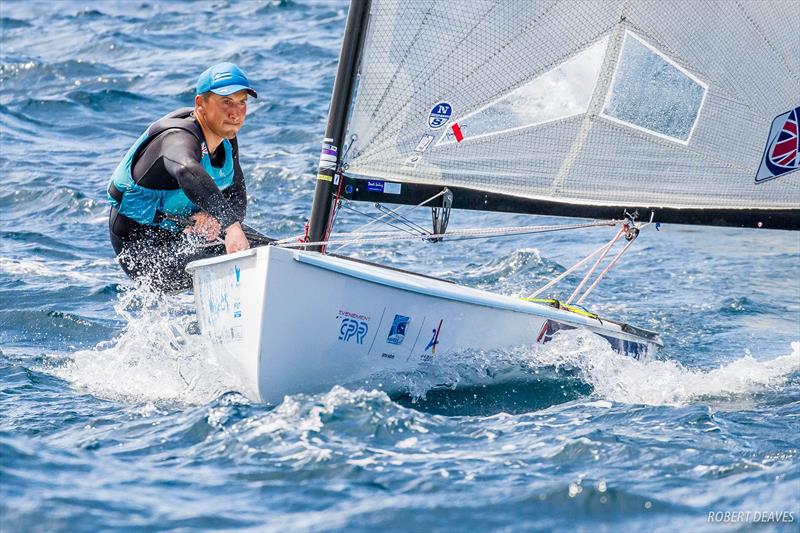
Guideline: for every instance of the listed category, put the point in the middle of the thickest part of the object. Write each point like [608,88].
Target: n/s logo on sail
[783,144]
[439,115]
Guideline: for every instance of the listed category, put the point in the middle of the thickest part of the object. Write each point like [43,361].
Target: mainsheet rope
[453,235]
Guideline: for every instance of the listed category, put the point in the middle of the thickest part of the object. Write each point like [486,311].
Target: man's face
[224,115]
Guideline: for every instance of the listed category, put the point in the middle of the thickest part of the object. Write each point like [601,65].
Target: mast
[342,96]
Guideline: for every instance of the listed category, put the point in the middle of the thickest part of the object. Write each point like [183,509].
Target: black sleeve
[236,194]
[181,156]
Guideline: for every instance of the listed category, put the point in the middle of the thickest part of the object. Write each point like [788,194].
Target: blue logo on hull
[397,333]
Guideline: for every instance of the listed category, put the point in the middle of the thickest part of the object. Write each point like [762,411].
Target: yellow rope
[559,305]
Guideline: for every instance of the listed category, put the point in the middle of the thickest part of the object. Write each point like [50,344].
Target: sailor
[179,194]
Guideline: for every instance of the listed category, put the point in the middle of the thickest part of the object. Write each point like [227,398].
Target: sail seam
[594,109]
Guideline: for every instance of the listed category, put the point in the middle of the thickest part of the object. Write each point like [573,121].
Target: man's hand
[235,241]
[204,225]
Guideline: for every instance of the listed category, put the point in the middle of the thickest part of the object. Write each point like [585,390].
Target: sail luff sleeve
[337,115]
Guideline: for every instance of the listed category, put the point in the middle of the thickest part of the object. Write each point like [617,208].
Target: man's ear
[198,102]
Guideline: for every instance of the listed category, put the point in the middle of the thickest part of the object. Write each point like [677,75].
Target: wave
[74,271]
[26,72]
[157,357]
[661,382]
[9,23]
[31,201]
[105,100]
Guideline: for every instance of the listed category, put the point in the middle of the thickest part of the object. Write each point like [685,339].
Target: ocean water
[114,415]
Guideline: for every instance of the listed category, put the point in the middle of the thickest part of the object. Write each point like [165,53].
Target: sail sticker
[439,115]
[457,132]
[782,152]
[412,160]
[392,188]
[374,186]
[424,142]
[397,333]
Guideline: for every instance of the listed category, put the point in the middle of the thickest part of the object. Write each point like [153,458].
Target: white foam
[154,359]
[655,382]
[78,270]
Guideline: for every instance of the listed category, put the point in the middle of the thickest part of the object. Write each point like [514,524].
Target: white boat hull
[290,321]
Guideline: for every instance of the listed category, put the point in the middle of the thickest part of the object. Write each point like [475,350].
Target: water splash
[657,382]
[158,357]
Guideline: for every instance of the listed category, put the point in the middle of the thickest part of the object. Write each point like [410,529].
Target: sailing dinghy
[623,112]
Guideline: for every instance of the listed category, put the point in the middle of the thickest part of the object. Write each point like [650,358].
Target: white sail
[623,103]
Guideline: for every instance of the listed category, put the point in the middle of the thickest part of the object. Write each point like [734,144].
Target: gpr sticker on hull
[352,326]
[781,153]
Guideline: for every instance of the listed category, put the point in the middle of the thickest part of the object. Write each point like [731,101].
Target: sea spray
[659,382]
[159,356]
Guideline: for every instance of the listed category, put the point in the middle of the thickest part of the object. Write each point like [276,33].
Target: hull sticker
[352,326]
[433,343]
[397,333]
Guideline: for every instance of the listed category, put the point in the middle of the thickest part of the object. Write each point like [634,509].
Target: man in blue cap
[179,195]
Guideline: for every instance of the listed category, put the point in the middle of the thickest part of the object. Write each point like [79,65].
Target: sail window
[650,92]
[561,92]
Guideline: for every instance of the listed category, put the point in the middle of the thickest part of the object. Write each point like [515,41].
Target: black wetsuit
[170,161]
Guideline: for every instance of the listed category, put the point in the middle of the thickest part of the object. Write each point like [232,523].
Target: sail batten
[691,102]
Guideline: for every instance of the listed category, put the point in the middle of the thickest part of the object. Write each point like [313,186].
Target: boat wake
[159,357]
[578,363]
[661,382]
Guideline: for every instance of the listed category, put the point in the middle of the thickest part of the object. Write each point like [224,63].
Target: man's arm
[181,156]
[236,194]
[173,160]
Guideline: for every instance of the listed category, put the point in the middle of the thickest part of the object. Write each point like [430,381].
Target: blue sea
[114,414]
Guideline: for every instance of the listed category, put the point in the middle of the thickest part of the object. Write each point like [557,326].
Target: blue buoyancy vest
[148,206]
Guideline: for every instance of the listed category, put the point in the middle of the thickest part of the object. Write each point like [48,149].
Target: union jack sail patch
[781,155]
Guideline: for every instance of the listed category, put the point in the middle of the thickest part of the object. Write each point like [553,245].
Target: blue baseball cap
[224,79]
